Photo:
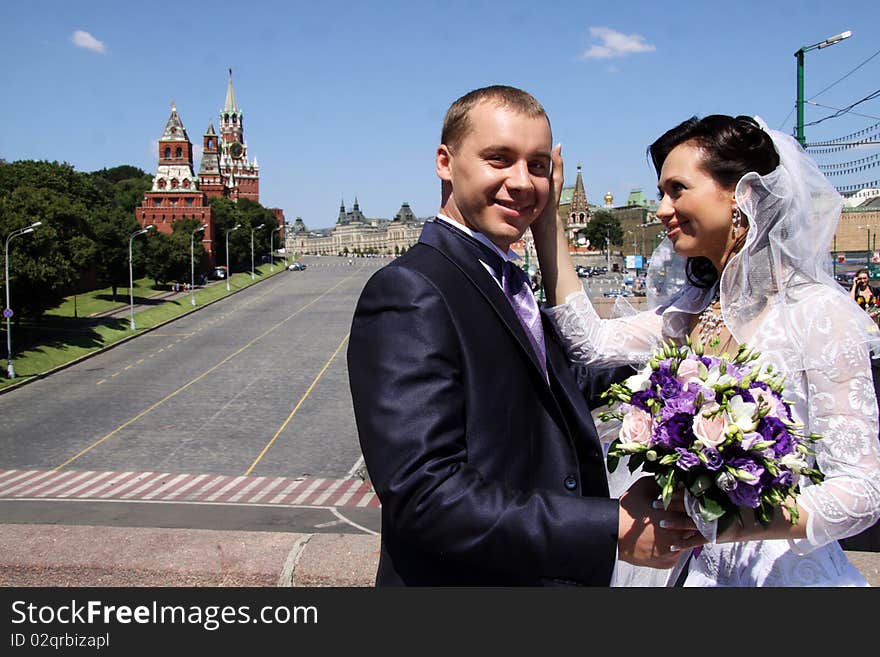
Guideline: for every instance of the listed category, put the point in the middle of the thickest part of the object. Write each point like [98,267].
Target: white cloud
[615,44]
[82,39]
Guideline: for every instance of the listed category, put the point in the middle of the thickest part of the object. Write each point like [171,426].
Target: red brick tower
[175,192]
[210,178]
[241,177]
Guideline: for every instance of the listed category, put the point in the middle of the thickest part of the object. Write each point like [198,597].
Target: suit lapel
[465,253]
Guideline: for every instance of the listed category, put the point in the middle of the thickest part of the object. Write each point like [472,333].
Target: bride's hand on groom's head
[546,223]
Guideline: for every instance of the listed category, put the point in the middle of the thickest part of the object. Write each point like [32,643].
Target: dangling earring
[736,220]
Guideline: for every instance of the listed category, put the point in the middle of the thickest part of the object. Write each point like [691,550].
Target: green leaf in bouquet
[726,520]
[703,371]
[669,459]
[613,458]
[764,514]
[700,484]
[710,509]
[667,483]
[635,461]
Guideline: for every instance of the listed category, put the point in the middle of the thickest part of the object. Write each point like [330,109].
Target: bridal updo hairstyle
[731,147]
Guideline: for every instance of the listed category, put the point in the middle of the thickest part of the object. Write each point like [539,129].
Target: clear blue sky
[346,98]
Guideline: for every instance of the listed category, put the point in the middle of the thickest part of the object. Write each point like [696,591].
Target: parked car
[297,266]
[219,273]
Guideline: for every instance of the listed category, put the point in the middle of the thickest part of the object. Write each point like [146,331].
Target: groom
[476,437]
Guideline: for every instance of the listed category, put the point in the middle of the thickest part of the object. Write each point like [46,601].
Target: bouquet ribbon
[709,530]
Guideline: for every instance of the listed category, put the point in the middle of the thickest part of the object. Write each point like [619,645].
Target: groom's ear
[443,163]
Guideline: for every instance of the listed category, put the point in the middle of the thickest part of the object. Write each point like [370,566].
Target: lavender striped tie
[519,292]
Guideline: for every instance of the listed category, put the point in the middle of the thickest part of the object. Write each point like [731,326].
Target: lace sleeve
[590,340]
[842,407]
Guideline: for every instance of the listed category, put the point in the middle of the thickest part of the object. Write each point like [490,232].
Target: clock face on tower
[236,150]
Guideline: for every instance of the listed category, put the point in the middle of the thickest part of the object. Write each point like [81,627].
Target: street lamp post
[192,263]
[228,270]
[130,273]
[272,247]
[830,41]
[834,258]
[7,312]
[252,248]
[608,249]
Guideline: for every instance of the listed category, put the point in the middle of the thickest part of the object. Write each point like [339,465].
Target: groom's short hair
[456,123]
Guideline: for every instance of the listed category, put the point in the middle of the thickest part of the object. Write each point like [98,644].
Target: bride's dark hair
[731,147]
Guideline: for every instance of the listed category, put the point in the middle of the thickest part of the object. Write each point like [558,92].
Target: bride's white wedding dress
[828,377]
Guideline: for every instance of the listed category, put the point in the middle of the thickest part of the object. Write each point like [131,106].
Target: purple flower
[745,495]
[747,465]
[686,460]
[640,399]
[669,386]
[738,372]
[677,431]
[684,403]
[746,396]
[714,460]
[772,428]
[784,479]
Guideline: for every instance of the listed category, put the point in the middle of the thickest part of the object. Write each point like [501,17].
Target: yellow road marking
[296,408]
[198,378]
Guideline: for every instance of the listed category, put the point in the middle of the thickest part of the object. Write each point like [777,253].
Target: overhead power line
[871,96]
[845,76]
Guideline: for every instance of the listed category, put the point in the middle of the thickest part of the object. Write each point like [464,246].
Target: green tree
[46,264]
[111,229]
[225,215]
[604,224]
[168,256]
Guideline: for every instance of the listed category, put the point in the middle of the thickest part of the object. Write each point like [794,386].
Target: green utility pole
[800,78]
[800,97]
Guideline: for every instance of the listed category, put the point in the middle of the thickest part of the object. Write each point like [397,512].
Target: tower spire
[230,96]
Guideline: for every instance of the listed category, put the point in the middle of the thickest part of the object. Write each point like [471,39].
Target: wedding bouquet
[717,426]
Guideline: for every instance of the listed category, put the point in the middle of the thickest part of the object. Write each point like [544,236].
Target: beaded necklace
[710,322]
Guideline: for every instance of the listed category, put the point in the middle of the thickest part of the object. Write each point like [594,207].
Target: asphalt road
[186,425]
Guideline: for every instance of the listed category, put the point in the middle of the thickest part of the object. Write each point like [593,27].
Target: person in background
[862,292]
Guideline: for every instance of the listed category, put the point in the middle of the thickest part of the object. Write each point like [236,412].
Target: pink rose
[768,398]
[710,430]
[637,427]
[688,369]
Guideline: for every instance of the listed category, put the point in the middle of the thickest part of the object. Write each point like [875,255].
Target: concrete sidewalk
[67,555]
[60,555]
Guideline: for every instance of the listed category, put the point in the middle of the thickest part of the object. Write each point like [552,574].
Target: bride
[749,219]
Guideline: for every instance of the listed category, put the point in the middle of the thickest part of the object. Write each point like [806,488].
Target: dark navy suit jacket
[488,473]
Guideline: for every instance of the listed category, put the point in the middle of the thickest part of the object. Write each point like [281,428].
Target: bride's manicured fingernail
[674,548]
[665,524]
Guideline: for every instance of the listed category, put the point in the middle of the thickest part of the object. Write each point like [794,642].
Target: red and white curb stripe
[168,487]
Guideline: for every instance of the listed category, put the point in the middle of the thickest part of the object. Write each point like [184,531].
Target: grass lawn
[74,329]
